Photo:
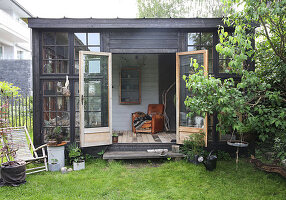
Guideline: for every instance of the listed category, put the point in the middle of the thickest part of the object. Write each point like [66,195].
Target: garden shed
[90,75]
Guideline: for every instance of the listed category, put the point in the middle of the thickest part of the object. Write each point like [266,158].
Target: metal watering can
[209,162]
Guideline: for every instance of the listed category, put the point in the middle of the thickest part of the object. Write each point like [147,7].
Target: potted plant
[76,157]
[54,166]
[13,172]
[193,147]
[56,146]
[114,138]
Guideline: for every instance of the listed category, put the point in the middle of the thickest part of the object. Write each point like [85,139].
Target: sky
[81,8]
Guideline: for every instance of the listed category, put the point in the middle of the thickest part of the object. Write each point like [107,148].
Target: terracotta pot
[55,144]
[114,139]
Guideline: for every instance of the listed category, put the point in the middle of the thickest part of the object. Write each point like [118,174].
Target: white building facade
[14,32]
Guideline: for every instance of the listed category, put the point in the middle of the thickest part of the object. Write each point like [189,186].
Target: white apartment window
[20,55]
[1,52]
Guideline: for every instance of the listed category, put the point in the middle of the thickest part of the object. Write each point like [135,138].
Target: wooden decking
[130,137]
[125,155]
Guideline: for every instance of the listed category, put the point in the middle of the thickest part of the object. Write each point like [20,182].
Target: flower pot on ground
[78,165]
[75,156]
[13,172]
[56,146]
[54,166]
[114,138]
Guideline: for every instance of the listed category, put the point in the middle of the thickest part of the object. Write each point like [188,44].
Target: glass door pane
[187,126]
[95,91]
[186,68]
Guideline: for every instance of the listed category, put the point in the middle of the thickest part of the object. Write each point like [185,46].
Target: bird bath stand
[238,144]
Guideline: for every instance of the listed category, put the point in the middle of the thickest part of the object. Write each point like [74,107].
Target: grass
[149,180]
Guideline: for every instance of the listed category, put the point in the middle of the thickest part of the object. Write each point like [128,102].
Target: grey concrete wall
[148,63]
[18,72]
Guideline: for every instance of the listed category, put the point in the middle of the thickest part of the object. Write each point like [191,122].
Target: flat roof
[122,23]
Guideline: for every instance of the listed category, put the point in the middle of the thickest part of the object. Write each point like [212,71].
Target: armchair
[155,111]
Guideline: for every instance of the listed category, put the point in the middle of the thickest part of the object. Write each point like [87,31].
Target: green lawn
[146,180]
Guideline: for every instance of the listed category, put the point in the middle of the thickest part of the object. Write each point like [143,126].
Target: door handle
[81,99]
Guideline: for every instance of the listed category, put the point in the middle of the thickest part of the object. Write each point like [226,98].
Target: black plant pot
[13,173]
[210,163]
[194,160]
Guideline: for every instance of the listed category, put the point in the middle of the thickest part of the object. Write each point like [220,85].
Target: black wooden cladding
[143,41]
[89,23]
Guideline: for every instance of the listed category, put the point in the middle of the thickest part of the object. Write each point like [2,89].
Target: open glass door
[95,98]
[186,126]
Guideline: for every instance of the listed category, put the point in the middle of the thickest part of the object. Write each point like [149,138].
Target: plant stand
[238,144]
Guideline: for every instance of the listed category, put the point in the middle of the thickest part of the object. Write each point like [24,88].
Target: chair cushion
[155,109]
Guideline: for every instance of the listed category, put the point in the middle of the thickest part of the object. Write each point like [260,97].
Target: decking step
[124,155]
[139,147]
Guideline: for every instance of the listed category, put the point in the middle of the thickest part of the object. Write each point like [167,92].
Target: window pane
[62,67]
[49,104]
[187,68]
[92,88]
[206,39]
[92,103]
[80,39]
[95,49]
[49,66]
[77,134]
[49,52]
[76,89]
[62,52]
[77,119]
[95,91]
[77,103]
[55,66]
[194,39]
[49,38]
[76,66]
[63,103]
[53,87]
[210,65]
[63,119]
[191,48]
[92,119]
[49,88]
[93,39]
[223,66]
[62,38]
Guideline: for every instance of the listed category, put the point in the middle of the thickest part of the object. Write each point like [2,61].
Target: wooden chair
[26,150]
[156,124]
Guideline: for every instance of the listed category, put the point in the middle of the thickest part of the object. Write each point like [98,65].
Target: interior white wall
[148,63]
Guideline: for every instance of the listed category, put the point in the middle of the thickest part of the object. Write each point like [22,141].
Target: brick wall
[18,72]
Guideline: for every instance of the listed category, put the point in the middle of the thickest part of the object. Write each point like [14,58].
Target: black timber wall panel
[143,41]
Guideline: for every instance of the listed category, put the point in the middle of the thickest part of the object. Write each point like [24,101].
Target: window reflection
[55,53]
[202,41]
[93,39]
[79,39]
[85,42]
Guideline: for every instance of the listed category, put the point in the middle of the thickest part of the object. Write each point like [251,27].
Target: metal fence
[19,111]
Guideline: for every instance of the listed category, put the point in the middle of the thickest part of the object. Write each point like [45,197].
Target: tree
[257,104]
[179,8]
[161,8]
